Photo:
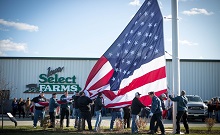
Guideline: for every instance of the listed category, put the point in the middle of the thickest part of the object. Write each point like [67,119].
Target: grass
[29,130]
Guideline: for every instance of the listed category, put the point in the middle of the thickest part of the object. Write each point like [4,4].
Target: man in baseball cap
[137,94]
[136,106]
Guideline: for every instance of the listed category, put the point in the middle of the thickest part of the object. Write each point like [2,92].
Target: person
[127,116]
[77,111]
[21,107]
[72,108]
[27,107]
[210,108]
[217,110]
[85,111]
[169,109]
[92,106]
[14,105]
[145,112]
[136,106]
[181,111]
[52,109]
[104,112]
[39,110]
[98,107]
[65,108]
[116,113]
[162,97]
[156,114]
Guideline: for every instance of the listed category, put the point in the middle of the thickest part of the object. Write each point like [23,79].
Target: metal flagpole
[175,58]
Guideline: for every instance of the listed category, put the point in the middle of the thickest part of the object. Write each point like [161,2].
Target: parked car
[197,109]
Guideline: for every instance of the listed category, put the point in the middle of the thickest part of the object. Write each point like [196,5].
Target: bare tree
[5,89]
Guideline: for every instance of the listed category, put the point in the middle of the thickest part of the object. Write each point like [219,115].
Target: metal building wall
[199,77]
[22,71]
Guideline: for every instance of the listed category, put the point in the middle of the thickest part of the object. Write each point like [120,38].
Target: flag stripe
[95,69]
[103,81]
[106,68]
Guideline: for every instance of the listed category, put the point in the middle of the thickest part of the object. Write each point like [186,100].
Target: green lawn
[29,130]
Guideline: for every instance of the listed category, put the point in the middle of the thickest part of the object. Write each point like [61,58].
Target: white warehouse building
[26,76]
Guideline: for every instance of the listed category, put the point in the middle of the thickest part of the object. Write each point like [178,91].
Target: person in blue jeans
[39,110]
[77,111]
[155,114]
[116,113]
[136,106]
[98,107]
[52,109]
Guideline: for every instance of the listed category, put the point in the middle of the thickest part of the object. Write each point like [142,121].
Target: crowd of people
[22,107]
[85,108]
[214,109]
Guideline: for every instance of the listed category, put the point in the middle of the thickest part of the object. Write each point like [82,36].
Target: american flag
[135,62]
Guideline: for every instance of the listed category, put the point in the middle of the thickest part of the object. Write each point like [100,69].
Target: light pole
[175,58]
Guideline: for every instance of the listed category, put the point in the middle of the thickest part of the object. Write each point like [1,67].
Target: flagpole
[175,58]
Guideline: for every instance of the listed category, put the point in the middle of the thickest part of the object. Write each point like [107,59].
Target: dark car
[197,109]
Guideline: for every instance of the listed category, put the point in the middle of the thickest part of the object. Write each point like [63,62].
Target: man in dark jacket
[85,110]
[181,111]
[14,106]
[39,110]
[98,107]
[162,98]
[21,104]
[156,113]
[65,108]
[135,110]
[77,111]
[52,109]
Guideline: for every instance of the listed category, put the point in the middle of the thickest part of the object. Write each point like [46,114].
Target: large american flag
[135,62]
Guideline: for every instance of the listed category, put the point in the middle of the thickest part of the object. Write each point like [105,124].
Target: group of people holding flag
[157,107]
[83,103]
[82,109]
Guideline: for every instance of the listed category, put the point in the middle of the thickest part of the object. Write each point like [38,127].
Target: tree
[5,89]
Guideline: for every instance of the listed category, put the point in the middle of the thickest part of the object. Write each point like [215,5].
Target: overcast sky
[87,28]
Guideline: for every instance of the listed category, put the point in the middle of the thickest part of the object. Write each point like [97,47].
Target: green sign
[52,82]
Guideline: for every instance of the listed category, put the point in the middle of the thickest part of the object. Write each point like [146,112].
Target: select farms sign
[52,82]
[57,84]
